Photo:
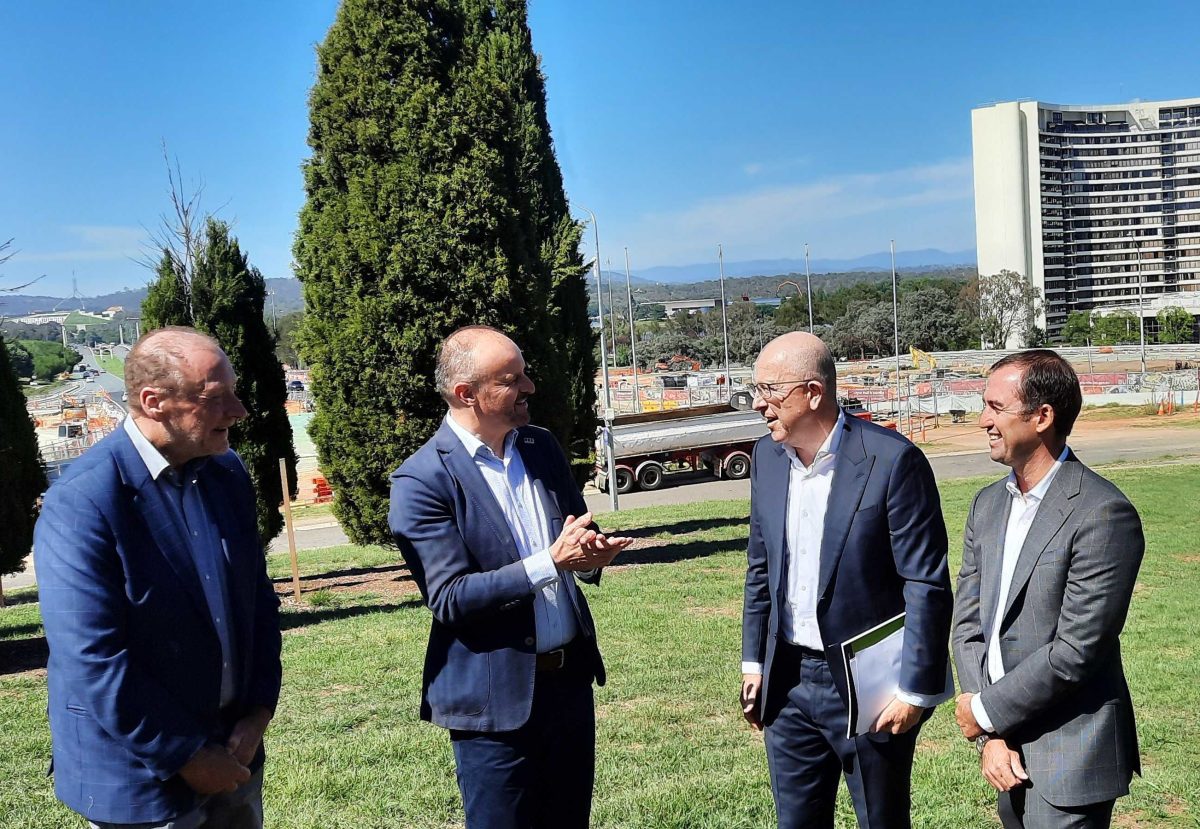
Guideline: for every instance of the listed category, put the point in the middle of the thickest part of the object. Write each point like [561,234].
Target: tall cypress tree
[23,477]
[434,201]
[226,296]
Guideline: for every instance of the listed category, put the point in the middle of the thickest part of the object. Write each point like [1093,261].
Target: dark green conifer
[22,476]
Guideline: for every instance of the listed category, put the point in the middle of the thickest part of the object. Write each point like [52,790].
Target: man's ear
[152,401]
[464,392]
[1045,418]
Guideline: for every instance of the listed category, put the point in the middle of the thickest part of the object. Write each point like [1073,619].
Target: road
[1095,449]
[115,386]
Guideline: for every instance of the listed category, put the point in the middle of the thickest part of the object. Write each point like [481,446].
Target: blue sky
[682,124]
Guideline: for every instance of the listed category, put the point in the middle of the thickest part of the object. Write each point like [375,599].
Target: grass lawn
[113,365]
[347,750]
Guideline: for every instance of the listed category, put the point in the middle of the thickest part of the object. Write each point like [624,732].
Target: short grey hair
[157,360]
[456,359]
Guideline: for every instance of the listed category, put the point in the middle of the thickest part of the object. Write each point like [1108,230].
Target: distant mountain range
[285,293]
[908,259]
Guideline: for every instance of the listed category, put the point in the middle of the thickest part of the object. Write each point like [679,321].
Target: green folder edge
[856,645]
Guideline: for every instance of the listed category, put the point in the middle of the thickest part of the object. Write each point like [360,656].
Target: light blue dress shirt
[527,509]
[190,516]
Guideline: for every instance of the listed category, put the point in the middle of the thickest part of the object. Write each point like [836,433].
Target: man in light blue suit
[846,532]
[162,624]
[496,532]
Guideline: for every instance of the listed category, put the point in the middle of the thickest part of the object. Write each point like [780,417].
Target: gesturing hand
[580,548]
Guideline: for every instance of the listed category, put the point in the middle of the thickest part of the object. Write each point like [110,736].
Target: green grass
[347,750]
[113,365]
[43,389]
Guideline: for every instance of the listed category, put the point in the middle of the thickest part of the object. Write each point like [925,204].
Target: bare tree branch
[5,255]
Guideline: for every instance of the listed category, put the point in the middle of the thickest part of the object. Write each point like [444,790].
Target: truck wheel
[737,466]
[624,480]
[650,476]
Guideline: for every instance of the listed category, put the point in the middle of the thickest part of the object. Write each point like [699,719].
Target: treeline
[39,359]
[935,313]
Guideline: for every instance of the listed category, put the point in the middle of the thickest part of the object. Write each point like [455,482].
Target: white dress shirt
[807,501]
[527,508]
[1020,518]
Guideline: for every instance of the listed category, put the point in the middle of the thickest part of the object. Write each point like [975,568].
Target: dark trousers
[1023,808]
[807,751]
[541,775]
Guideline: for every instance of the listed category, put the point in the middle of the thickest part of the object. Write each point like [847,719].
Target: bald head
[160,359]
[459,357]
[801,355]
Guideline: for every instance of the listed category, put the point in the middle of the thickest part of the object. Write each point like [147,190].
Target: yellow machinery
[922,359]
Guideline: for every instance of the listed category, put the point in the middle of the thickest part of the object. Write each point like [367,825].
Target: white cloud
[94,243]
[843,215]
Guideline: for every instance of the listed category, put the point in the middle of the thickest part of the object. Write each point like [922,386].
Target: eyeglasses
[774,392]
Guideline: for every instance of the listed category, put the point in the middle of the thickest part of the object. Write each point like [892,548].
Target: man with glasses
[1050,557]
[846,533]
[162,624]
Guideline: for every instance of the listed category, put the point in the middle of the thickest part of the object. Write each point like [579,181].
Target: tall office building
[1082,200]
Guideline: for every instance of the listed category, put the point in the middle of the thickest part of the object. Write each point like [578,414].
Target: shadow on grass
[27,629]
[292,619]
[669,553]
[23,597]
[20,655]
[349,573]
[685,527]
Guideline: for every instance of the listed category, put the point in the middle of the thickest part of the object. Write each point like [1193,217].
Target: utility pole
[637,396]
[610,461]
[896,326]
[724,321]
[808,282]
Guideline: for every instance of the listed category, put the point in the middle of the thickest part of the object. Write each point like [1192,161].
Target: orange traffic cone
[1160,408]
[1171,404]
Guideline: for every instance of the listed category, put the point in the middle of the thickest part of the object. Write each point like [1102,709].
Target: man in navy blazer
[162,624]
[846,532]
[495,531]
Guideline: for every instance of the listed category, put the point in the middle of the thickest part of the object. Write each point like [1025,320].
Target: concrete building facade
[1098,206]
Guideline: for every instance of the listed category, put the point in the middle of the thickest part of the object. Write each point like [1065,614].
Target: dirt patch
[1190,559]
[388,582]
[720,612]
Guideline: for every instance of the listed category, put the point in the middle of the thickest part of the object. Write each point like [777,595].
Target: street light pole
[612,313]
[724,321]
[808,282]
[896,328]
[610,462]
[1137,246]
[637,397]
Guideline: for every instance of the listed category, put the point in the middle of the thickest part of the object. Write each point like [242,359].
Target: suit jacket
[479,666]
[1063,701]
[883,552]
[135,662]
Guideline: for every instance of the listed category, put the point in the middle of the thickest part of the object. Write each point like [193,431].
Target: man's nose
[236,408]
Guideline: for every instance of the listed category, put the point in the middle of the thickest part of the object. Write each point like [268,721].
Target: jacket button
[529,641]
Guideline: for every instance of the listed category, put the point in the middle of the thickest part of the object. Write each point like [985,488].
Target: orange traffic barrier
[1160,408]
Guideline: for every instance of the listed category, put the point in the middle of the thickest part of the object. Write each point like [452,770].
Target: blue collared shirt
[527,508]
[191,518]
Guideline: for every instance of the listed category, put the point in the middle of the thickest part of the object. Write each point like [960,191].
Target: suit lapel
[850,473]
[1052,513]
[997,504]
[462,467]
[158,516]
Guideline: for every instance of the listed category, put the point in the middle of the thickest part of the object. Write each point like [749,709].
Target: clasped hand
[579,548]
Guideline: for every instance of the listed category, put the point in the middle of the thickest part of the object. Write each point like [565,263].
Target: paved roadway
[112,384]
[1095,450]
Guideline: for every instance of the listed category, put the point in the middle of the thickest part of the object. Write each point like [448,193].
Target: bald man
[162,624]
[496,533]
[846,533]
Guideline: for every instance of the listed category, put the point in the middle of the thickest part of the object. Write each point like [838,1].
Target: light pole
[896,328]
[796,285]
[724,321]
[637,396]
[808,282]
[612,313]
[1137,246]
[610,462]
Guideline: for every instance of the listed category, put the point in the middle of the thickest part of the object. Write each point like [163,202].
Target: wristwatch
[981,741]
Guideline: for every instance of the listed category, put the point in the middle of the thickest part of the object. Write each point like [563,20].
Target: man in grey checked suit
[1050,556]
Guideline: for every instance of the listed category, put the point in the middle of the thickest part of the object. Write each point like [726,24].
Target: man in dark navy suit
[496,532]
[846,532]
[163,626]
